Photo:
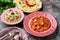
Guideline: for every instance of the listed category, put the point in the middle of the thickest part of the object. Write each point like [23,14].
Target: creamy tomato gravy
[40,24]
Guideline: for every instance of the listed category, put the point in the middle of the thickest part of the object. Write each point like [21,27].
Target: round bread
[28,5]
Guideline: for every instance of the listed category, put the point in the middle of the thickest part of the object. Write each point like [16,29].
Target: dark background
[50,6]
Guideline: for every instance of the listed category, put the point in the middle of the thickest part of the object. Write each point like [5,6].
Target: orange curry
[40,24]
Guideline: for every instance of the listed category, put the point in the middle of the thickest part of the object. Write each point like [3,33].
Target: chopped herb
[38,19]
[5,4]
[23,2]
[23,6]
[19,2]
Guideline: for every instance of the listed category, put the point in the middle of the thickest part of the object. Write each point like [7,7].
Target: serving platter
[50,8]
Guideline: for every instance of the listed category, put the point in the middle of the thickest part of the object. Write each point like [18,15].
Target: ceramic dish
[8,34]
[12,16]
[29,5]
[40,24]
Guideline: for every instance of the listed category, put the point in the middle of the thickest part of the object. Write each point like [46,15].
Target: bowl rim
[42,34]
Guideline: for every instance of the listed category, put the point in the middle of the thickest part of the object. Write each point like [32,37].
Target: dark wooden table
[50,6]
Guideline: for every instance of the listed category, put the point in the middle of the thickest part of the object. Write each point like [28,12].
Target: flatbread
[22,5]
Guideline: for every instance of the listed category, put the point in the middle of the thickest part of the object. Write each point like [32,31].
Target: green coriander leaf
[5,4]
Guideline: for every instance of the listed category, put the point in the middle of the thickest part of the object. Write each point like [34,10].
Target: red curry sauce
[40,24]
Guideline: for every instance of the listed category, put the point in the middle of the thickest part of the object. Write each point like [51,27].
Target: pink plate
[41,34]
[6,11]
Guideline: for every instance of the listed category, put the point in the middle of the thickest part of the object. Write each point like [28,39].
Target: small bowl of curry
[40,24]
